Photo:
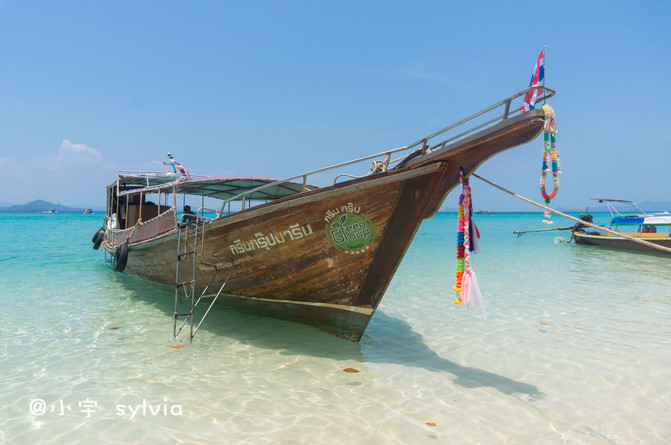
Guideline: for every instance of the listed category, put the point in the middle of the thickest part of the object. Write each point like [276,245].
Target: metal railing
[424,142]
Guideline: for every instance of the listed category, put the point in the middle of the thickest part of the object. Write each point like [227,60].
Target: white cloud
[70,152]
[71,156]
[5,162]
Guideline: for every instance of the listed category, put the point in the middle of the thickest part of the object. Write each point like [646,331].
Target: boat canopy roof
[227,187]
[657,219]
[641,217]
[627,220]
[220,187]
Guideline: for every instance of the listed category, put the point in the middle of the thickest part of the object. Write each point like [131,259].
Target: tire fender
[95,235]
[98,239]
[120,258]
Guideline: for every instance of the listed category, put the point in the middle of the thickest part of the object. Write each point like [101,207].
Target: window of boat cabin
[144,207]
[649,229]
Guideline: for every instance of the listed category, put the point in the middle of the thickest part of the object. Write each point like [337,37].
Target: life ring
[98,239]
[120,258]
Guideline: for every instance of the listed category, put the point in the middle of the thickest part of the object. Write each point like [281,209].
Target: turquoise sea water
[576,349]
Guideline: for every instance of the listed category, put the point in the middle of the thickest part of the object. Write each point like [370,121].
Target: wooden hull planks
[294,262]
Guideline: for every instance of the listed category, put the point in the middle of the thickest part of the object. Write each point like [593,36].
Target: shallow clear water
[576,349]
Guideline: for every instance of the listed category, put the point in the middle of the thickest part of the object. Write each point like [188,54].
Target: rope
[585,223]
[132,232]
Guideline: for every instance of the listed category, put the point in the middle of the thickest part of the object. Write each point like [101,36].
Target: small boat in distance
[88,212]
[654,228]
[486,212]
[50,211]
[322,256]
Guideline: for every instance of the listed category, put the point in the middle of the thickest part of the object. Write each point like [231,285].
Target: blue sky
[279,88]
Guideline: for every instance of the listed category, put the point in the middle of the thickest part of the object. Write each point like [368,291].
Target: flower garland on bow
[466,285]
[549,156]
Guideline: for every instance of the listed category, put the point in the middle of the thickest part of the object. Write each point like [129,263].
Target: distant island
[41,206]
[592,207]
[646,206]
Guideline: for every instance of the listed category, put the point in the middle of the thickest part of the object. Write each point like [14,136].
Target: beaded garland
[549,156]
[463,234]
[467,288]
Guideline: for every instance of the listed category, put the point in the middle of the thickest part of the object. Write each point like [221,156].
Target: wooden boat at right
[654,228]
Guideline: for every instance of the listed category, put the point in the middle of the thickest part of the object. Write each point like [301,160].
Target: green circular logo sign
[350,232]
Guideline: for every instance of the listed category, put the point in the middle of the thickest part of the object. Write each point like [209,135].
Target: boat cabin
[141,205]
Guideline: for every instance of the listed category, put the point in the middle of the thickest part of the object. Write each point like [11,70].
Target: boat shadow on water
[408,348]
[388,340]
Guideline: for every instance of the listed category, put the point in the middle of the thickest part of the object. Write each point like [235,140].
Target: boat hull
[324,259]
[613,242]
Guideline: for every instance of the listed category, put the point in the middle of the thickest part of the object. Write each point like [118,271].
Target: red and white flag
[537,79]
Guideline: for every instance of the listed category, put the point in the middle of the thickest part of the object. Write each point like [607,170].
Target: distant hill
[650,206]
[646,206]
[40,206]
[593,206]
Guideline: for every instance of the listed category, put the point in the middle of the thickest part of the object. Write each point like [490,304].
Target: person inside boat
[188,216]
[122,214]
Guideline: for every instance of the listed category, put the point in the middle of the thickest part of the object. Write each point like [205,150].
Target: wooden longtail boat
[319,256]
[653,228]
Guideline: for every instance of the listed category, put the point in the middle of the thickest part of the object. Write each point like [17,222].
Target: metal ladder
[189,287]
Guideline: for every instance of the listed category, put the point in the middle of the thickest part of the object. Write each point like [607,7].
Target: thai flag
[178,168]
[538,79]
